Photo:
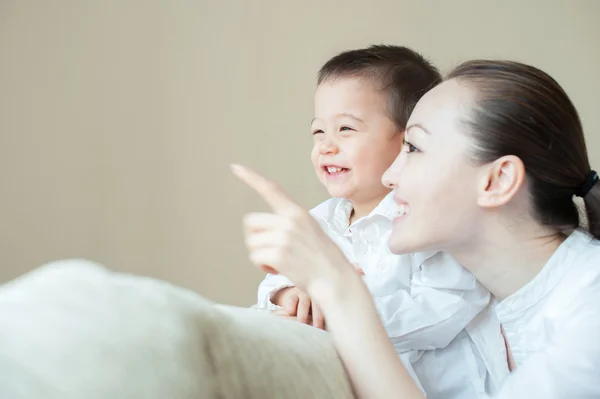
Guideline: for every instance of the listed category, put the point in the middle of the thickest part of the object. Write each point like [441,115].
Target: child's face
[355,140]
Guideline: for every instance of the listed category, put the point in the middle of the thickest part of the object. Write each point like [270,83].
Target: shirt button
[362,234]
[383,265]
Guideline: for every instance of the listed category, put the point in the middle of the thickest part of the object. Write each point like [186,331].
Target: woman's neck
[506,260]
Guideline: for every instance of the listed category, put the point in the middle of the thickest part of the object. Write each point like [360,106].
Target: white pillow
[72,329]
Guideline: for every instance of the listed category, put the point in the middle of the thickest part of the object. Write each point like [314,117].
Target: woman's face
[434,179]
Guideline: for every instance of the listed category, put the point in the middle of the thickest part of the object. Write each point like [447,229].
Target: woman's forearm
[292,243]
[368,355]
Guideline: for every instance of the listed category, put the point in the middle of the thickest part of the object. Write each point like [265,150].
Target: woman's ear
[500,181]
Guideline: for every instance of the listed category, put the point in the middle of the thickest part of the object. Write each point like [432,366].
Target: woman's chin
[400,246]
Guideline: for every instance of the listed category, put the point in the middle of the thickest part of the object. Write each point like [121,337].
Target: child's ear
[500,181]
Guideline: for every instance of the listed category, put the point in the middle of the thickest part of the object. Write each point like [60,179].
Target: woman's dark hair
[520,110]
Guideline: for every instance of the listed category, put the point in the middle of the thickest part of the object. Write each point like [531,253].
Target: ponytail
[592,209]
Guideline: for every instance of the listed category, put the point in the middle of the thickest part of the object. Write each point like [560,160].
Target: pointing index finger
[267,189]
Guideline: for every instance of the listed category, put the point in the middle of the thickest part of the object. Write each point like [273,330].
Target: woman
[492,159]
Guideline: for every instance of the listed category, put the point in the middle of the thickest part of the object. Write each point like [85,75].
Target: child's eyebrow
[345,114]
[356,118]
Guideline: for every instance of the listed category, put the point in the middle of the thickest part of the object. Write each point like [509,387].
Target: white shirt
[425,302]
[552,326]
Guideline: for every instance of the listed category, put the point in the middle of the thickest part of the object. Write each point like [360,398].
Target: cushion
[73,329]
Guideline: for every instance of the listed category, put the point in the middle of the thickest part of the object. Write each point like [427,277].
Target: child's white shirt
[435,312]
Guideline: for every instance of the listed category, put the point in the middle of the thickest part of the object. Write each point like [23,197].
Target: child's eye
[317,131]
[345,128]
[408,147]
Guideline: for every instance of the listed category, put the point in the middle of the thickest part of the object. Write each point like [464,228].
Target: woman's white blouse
[553,326]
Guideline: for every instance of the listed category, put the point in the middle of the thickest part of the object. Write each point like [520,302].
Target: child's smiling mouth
[334,170]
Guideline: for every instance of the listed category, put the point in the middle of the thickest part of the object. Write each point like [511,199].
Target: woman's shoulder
[583,257]
[581,279]
[564,285]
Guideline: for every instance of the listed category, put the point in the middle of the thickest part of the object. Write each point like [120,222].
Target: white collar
[552,273]
[336,212]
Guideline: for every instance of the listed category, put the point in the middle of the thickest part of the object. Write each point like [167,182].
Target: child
[431,307]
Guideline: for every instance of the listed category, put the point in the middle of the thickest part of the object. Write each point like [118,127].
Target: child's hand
[289,241]
[298,305]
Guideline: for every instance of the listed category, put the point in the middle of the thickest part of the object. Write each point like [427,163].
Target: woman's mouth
[402,211]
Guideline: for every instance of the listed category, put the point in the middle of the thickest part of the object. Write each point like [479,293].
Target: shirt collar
[550,275]
[336,212]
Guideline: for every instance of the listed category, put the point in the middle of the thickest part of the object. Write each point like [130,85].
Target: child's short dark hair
[403,73]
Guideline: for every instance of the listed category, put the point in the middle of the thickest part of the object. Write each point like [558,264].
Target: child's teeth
[331,169]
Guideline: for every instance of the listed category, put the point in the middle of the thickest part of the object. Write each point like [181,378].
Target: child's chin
[337,193]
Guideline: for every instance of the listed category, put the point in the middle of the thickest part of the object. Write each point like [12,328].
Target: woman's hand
[289,241]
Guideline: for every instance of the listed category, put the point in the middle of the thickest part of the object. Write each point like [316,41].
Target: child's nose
[328,146]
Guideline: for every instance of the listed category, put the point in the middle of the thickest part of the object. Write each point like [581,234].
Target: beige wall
[118,119]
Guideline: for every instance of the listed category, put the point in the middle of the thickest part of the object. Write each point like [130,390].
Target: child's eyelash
[342,129]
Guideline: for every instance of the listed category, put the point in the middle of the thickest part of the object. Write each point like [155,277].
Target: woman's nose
[391,176]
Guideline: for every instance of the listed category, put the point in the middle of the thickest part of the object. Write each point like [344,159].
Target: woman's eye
[409,147]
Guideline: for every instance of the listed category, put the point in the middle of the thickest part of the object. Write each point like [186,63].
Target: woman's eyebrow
[417,125]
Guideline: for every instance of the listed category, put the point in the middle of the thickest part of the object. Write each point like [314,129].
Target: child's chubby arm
[443,299]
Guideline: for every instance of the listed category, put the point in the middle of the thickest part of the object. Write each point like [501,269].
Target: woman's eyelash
[410,147]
